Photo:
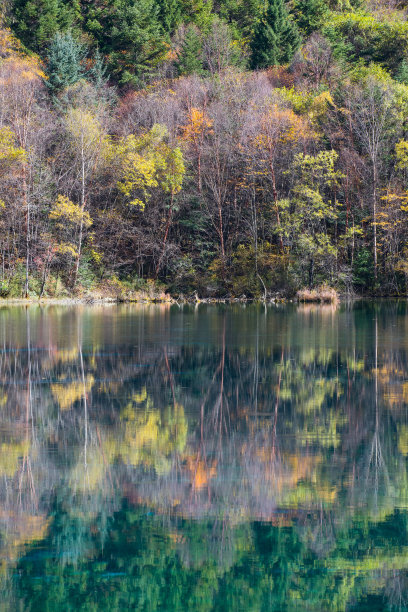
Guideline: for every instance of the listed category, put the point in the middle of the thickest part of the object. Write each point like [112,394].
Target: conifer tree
[276,38]
[170,14]
[198,12]
[98,71]
[310,14]
[190,56]
[129,33]
[402,73]
[37,21]
[241,15]
[64,64]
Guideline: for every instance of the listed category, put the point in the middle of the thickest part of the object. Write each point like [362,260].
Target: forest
[215,148]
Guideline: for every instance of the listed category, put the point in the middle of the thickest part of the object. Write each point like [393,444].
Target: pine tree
[37,21]
[402,73]
[98,71]
[198,12]
[170,14]
[241,15]
[64,63]
[310,14]
[276,38]
[190,56]
[129,33]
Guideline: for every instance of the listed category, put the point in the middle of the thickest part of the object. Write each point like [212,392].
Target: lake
[204,458]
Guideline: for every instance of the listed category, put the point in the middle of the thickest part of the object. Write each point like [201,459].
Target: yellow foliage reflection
[67,393]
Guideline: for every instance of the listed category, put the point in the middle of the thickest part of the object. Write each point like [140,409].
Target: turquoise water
[208,458]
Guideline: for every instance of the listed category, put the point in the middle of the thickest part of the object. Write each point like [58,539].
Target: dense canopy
[221,148]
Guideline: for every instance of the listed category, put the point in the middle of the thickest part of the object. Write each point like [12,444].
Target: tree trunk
[166,233]
[375,219]
[275,199]
[81,224]
[27,214]
[221,232]
[46,270]
[311,273]
[200,186]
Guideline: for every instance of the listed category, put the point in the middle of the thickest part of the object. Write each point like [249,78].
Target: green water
[235,458]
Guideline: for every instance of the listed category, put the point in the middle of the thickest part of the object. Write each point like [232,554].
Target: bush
[185,276]
[16,282]
[86,275]
[4,289]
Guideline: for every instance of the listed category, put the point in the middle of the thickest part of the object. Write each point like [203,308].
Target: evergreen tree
[402,73]
[64,62]
[276,38]
[129,33]
[98,71]
[198,12]
[37,21]
[190,56]
[241,15]
[170,14]
[310,14]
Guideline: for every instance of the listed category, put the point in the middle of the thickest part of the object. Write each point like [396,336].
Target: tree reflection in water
[204,458]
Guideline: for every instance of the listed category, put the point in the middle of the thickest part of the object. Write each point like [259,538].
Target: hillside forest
[217,148]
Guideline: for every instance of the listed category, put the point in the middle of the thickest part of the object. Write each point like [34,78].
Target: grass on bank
[322,295]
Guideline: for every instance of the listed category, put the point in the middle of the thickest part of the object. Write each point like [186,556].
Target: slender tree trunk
[255,234]
[27,213]
[375,219]
[352,247]
[166,233]
[81,224]
[46,270]
[311,273]
[221,232]
[275,199]
[200,185]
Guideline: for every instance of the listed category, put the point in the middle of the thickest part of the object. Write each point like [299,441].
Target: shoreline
[111,301]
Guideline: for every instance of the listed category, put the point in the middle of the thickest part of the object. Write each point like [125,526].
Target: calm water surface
[204,458]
